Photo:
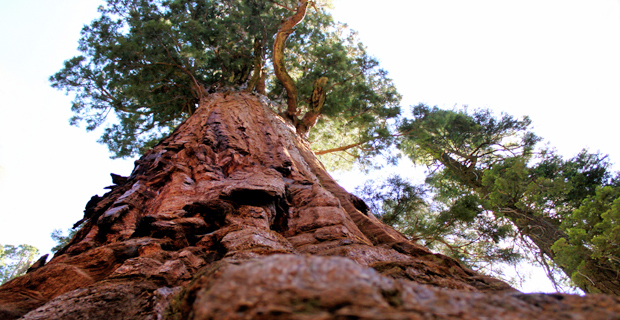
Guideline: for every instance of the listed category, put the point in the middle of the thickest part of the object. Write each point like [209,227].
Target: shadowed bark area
[233,217]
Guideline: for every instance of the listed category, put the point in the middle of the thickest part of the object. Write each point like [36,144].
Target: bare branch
[286,28]
[343,148]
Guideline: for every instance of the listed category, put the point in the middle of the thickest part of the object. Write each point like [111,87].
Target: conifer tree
[147,63]
[15,260]
[231,215]
[563,208]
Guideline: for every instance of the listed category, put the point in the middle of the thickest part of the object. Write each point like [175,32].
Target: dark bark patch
[280,221]
[213,212]
[359,204]
[251,197]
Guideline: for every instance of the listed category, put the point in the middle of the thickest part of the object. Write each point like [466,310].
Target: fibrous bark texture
[233,217]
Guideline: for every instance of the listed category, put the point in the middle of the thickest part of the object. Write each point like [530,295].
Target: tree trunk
[544,233]
[233,217]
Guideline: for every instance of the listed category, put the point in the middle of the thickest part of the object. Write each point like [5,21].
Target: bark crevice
[208,232]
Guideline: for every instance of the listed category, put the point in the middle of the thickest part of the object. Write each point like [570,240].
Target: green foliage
[361,100]
[459,228]
[593,235]
[476,140]
[61,239]
[559,190]
[582,174]
[552,203]
[396,201]
[149,62]
[15,260]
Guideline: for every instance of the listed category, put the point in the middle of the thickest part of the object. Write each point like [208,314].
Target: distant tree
[460,228]
[593,236]
[15,260]
[61,239]
[489,164]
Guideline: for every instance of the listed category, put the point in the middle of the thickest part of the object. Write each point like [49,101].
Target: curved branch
[316,107]
[357,144]
[199,89]
[286,28]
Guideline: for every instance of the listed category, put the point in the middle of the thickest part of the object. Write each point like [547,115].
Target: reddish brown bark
[315,107]
[279,67]
[233,217]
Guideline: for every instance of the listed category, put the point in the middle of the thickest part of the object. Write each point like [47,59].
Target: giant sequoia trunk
[233,217]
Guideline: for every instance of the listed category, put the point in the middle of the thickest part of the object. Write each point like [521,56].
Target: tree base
[233,217]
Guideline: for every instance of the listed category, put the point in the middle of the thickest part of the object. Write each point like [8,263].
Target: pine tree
[15,260]
[491,161]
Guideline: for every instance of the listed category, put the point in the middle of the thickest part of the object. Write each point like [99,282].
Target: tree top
[145,65]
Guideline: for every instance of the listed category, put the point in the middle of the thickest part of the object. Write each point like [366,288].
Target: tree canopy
[145,65]
[491,184]
[459,228]
[61,239]
[149,62]
[15,260]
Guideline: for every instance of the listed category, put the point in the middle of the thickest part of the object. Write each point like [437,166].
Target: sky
[556,61]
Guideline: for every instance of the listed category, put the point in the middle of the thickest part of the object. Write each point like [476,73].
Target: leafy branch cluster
[496,198]
[148,63]
[15,260]
[490,196]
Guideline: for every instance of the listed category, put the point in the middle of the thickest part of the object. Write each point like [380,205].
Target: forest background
[555,61]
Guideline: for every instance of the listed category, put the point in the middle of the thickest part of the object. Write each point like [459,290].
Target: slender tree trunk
[542,231]
[233,217]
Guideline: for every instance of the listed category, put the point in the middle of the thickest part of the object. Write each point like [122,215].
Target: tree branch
[357,144]
[282,6]
[286,28]
[343,148]
[316,106]
[199,89]
[199,92]
[258,65]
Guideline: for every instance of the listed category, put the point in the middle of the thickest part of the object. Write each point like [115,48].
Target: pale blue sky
[556,61]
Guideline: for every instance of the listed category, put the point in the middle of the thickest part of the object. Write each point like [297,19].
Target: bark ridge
[233,217]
